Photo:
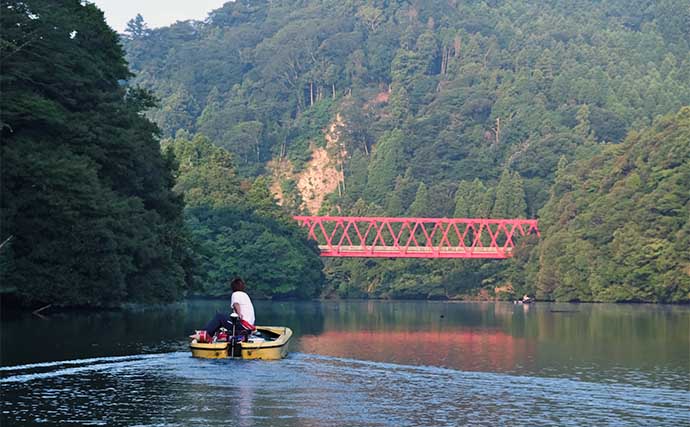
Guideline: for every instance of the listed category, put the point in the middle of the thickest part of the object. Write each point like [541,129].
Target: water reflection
[355,363]
[637,344]
[460,349]
[71,335]
[313,390]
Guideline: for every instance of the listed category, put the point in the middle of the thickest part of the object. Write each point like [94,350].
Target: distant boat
[266,343]
[524,301]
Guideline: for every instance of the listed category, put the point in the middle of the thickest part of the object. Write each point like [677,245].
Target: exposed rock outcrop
[322,175]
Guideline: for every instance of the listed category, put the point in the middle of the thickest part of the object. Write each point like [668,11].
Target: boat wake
[306,389]
[68,367]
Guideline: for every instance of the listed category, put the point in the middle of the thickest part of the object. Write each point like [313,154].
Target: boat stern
[268,350]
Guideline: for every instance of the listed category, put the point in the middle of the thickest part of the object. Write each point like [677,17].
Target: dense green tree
[86,193]
[673,16]
[394,205]
[510,197]
[614,224]
[206,173]
[384,167]
[583,128]
[420,207]
[473,200]
[239,228]
[180,108]
[274,257]
[137,28]
[244,139]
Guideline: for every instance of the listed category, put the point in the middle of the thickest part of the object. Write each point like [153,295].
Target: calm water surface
[356,363]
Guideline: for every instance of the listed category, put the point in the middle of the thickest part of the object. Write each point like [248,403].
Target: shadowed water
[357,363]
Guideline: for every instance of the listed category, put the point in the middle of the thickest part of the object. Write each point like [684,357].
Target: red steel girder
[384,237]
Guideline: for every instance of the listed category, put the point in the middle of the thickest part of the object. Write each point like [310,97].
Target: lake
[355,363]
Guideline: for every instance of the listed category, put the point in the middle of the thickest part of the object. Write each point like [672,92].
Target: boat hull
[210,351]
[273,349]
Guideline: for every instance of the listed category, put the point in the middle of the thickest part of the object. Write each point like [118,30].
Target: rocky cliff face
[322,175]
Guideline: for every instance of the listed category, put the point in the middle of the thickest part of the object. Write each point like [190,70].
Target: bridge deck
[412,249]
[379,237]
[415,251]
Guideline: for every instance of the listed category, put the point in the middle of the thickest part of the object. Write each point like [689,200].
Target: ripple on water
[310,390]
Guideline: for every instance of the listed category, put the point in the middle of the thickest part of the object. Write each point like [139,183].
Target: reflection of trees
[564,337]
[72,335]
[466,336]
[413,315]
[303,317]
[615,334]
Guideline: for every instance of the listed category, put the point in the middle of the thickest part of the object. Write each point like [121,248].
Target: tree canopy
[238,227]
[86,194]
[478,101]
[574,112]
[617,225]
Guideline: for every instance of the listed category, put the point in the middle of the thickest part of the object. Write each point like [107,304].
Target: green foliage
[356,177]
[206,173]
[615,226]
[445,93]
[420,207]
[384,167]
[510,197]
[239,228]
[583,127]
[86,194]
[137,28]
[473,200]
[274,258]
[308,128]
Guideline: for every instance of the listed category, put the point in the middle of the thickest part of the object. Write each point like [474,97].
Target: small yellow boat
[267,343]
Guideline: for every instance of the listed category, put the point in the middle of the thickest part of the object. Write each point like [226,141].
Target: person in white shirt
[241,305]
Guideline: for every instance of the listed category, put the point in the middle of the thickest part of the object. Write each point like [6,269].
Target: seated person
[241,305]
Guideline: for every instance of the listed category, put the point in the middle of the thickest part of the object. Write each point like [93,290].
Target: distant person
[526,299]
[241,306]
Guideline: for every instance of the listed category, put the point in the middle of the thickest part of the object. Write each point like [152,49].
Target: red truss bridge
[381,237]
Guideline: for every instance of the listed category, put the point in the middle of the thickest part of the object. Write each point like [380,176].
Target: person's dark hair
[237,284]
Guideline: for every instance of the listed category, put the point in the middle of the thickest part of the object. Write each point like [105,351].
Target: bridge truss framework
[384,237]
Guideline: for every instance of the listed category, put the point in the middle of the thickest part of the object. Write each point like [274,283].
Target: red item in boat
[248,326]
[203,337]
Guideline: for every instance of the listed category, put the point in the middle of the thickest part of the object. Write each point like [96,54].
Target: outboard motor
[234,342]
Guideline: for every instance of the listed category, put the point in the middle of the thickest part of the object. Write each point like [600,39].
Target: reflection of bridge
[453,347]
[380,237]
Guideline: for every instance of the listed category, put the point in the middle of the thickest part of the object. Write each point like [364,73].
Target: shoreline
[14,310]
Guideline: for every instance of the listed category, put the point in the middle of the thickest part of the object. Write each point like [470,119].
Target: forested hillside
[94,213]
[238,228]
[87,200]
[496,108]
[447,107]
[617,226]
